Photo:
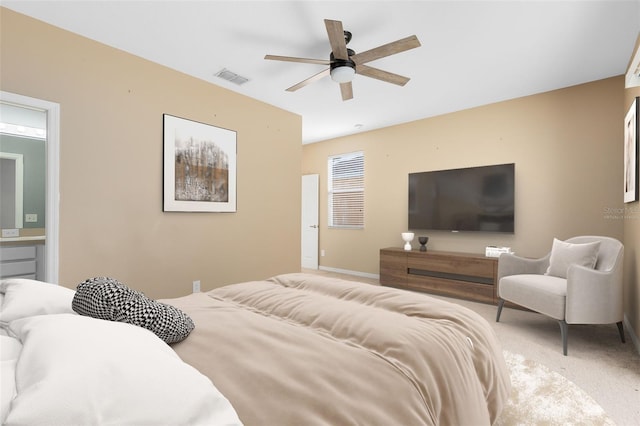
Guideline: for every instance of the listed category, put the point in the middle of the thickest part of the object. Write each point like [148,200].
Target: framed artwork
[631,152]
[199,167]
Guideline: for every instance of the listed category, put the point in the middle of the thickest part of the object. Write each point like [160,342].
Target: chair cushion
[541,293]
[564,254]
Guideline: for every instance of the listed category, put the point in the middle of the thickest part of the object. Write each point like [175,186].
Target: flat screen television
[468,199]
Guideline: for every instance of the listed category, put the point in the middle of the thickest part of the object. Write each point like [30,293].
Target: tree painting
[201,171]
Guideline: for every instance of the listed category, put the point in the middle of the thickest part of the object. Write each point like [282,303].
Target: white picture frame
[631,152]
[200,165]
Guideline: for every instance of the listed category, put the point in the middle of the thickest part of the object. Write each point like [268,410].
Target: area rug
[540,396]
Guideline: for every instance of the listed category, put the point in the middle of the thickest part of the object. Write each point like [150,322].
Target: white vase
[407,237]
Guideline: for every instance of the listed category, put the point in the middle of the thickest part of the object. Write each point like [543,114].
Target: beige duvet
[302,349]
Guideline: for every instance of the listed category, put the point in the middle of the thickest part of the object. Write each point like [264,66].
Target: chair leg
[621,330]
[564,331]
[500,305]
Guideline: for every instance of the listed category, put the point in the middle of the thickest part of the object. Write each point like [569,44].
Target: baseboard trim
[630,331]
[348,272]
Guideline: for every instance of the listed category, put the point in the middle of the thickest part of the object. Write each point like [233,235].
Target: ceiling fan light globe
[343,74]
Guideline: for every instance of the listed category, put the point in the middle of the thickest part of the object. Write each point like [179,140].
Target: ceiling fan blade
[346,89]
[379,74]
[303,60]
[388,49]
[309,80]
[336,39]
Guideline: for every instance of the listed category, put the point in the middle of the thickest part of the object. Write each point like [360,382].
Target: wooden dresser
[463,275]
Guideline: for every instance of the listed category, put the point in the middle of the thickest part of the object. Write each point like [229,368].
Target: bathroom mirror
[11,189]
[23,168]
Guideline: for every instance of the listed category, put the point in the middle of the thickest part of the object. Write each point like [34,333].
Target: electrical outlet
[322,252]
[196,286]
[31,217]
[9,233]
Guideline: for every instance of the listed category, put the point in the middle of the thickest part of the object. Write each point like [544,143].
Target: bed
[290,350]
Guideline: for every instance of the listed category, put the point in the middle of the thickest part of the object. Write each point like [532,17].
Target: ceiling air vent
[225,74]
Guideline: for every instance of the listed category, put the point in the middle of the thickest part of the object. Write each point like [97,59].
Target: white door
[310,221]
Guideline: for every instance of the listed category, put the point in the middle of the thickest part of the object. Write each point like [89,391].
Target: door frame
[52,220]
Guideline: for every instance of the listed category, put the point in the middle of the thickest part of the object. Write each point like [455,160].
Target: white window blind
[346,190]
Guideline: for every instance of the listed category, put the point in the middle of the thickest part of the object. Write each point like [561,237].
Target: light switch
[31,217]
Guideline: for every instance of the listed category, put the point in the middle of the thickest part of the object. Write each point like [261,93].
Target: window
[346,190]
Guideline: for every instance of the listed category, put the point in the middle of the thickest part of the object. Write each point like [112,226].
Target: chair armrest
[510,264]
[594,297]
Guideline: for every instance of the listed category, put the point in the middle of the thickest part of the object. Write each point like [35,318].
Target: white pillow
[564,254]
[77,370]
[24,298]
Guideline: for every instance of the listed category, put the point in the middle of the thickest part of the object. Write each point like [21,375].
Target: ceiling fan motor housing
[335,63]
[342,70]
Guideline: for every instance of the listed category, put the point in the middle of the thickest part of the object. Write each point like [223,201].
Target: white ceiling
[473,52]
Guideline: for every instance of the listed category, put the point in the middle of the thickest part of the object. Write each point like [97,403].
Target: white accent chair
[578,282]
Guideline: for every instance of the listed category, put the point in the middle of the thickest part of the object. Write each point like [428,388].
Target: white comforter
[60,368]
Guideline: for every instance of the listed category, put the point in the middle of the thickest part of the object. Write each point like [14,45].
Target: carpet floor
[606,370]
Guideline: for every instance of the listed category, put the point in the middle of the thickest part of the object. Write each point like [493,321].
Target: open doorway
[29,129]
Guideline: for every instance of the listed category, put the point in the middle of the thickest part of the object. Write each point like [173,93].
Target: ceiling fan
[344,63]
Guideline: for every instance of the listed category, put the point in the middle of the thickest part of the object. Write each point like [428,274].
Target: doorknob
[313,226]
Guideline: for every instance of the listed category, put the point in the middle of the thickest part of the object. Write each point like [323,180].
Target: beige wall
[566,145]
[632,247]
[568,149]
[111,219]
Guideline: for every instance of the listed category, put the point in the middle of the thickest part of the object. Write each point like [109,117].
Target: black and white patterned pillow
[108,299]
